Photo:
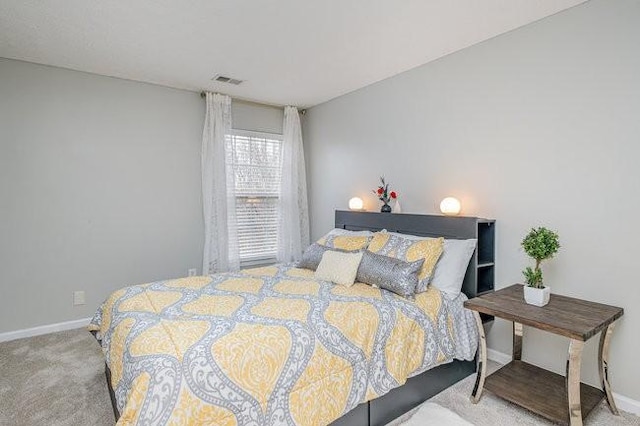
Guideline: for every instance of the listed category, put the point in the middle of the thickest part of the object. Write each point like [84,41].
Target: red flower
[394,195]
[380,191]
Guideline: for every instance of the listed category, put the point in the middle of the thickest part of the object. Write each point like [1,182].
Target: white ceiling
[289,51]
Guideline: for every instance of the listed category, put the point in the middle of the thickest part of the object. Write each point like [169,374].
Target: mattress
[269,346]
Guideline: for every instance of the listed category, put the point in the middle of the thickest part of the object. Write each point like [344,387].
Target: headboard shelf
[480,274]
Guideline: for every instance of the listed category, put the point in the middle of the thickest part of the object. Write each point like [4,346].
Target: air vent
[224,79]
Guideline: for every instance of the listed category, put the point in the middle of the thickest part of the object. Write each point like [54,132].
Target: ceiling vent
[224,79]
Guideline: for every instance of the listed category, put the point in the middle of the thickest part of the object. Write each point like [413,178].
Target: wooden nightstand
[559,398]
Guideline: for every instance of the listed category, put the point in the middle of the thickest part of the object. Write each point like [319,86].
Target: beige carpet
[55,379]
[58,379]
[431,413]
[493,411]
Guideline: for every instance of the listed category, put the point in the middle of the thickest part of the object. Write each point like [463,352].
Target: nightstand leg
[482,360]
[603,361]
[517,341]
[573,382]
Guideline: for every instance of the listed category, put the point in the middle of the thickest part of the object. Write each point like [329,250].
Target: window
[254,161]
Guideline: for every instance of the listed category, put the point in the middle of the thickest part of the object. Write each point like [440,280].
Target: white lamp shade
[450,206]
[356,203]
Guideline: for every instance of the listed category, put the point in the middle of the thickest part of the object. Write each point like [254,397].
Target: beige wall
[99,187]
[539,126]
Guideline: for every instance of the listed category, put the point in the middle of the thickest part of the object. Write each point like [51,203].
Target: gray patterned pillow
[389,273]
[313,255]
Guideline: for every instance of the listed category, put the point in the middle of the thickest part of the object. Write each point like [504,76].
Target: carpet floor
[58,380]
[54,379]
[494,411]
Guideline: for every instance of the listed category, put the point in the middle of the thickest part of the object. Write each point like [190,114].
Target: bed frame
[418,389]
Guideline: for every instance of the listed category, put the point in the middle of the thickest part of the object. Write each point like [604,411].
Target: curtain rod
[203,94]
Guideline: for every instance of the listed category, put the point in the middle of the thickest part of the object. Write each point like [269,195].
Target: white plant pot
[537,296]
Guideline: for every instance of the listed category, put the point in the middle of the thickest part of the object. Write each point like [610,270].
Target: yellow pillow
[345,242]
[410,250]
[338,267]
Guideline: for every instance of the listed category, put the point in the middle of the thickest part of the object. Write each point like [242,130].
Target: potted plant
[540,244]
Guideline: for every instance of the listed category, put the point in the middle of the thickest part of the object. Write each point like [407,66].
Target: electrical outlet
[78,298]
[192,272]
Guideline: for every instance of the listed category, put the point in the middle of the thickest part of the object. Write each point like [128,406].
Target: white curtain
[293,226]
[218,201]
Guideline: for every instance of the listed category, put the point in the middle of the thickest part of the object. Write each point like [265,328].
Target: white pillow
[451,268]
[339,267]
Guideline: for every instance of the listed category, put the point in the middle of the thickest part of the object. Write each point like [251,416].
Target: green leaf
[541,243]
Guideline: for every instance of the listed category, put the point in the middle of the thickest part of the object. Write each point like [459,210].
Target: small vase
[386,208]
[537,296]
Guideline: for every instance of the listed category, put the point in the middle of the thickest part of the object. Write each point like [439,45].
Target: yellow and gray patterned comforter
[269,346]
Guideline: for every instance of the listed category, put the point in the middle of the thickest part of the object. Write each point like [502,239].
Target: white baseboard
[627,404]
[622,402]
[499,357]
[44,329]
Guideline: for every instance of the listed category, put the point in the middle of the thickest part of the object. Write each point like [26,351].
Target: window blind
[254,160]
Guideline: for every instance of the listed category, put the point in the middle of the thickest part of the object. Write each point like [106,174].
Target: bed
[273,345]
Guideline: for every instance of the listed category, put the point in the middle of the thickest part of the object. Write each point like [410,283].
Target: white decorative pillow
[451,268]
[339,267]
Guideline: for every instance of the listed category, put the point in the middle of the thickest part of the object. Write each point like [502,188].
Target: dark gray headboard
[434,226]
